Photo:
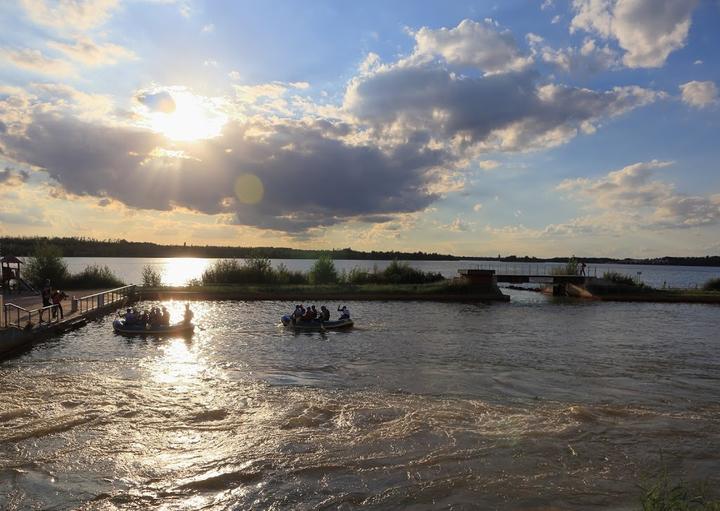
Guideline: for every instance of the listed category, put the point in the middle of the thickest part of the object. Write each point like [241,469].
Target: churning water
[537,403]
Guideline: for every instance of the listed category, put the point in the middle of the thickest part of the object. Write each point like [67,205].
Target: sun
[193,118]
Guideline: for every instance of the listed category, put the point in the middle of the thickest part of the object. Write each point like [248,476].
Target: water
[537,403]
[178,271]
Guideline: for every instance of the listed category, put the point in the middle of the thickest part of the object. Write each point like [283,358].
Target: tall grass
[260,271]
[572,267]
[254,270]
[662,494]
[93,277]
[712,285]
[619,278]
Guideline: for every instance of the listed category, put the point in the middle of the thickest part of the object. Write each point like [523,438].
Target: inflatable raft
[315,325]
[177,329]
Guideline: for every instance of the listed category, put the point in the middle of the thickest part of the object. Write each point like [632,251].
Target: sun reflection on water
[178,271]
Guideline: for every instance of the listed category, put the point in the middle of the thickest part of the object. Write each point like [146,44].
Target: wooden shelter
[10,268]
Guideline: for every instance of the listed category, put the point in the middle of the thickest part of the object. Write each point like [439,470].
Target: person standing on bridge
[582,268]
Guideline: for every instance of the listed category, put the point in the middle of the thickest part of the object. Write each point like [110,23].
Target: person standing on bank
[46,294]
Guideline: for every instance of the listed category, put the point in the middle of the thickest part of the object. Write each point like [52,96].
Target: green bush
[572,267]
[285,276]
[402,273]
[712,285]
[93,277]
[323,271]
[254,270]
[619,278]
[151,277]
[46,263]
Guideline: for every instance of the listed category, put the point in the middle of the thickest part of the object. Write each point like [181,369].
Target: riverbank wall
[592,288]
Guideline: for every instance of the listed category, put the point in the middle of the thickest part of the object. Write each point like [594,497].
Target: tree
[46,263]
[323,271]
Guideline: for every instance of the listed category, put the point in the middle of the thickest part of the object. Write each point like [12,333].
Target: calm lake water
[177,271]
[538,403]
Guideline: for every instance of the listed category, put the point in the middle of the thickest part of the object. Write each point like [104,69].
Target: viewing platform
[24,320]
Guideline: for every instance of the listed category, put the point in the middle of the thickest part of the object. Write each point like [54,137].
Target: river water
[539,403]
[178,271]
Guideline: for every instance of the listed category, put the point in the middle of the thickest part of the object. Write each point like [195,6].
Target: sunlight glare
[194,118]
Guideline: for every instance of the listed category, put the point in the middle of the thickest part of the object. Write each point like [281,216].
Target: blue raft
[316,325]
[183,328]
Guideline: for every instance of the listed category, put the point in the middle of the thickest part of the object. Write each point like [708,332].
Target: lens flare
[249,189]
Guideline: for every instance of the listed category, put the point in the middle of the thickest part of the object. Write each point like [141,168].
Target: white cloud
[209,28]
[90,53]
[699,94]
[35,61]
[477,207]
[488,164]
[636,199]
[588,58]
[70,15]
[648,30]
[457,225]
[472,43]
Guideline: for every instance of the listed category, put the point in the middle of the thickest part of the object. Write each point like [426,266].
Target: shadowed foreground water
[527,405]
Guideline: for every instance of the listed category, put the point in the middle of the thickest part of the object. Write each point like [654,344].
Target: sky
[546,127]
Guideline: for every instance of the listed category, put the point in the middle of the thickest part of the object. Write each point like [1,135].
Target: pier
[24,320]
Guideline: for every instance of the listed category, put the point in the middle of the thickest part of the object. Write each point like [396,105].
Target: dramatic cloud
[636,198]
[90,53]
[402,138]
[501,112]
[309,178]
[648,30]
[471,43]
[699,94]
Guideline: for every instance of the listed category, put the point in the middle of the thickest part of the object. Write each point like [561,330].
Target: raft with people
[309,319]
[153,322]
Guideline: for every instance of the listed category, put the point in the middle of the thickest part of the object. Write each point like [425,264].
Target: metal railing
[19,317]
[530,269]
[90,302]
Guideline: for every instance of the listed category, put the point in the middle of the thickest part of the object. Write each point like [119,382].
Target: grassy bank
[436,291]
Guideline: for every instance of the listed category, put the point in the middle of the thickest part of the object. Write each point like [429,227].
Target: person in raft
[324,313]
[344,312]
[187,318]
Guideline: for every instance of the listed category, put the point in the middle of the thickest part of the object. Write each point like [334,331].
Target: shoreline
[328,293]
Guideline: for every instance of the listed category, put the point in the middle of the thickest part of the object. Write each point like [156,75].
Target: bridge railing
[530,269]
[19,317]
[94,301]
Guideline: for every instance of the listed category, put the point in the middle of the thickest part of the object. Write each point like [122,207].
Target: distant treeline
[89,247]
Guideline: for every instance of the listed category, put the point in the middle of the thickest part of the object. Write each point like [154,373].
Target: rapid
[537,403]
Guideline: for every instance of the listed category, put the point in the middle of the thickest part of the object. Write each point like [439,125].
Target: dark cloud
[508,111]
[13,177]
[158,101]
[310,179]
